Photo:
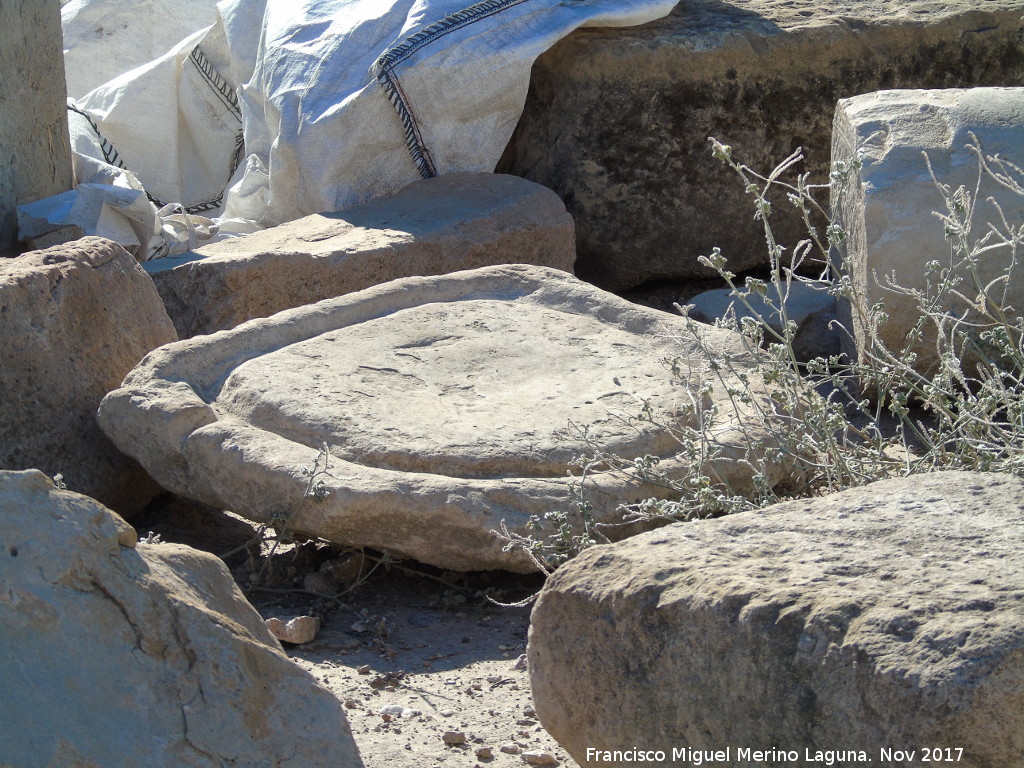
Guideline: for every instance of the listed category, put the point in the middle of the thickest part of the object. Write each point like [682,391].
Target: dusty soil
[424,641]
[459,667]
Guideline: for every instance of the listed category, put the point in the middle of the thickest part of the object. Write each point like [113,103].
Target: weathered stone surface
[36,153]
[617,119]
[886,205]
[74,319]
[885,616]
[297,630]
[444,402]
[432,227]
[807,304]
[117,654]
[59,236]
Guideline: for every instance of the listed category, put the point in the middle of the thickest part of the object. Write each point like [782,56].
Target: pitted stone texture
[886,205]
[454,222]
[891,614]
[617,120]
[74,319]
[444,402]
[117,654]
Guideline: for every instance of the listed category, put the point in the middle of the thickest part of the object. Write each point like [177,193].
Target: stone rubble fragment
[617,119]
[807,304]
[887,197]
[297,631]
[538,757]
[74,320]
[117,652]
[890,614]
[439,225]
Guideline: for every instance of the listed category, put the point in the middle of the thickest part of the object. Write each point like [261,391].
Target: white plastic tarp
[282,108]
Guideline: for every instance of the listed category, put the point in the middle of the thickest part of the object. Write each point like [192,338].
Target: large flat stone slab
[432,227]
[886,206]
[445,404]
[617,120]
[118,653]
[887,616]
[74,319]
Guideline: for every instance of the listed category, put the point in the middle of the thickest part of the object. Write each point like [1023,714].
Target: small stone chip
[454,737]
[485,753]
[539,758]
[510,749]
[301,629]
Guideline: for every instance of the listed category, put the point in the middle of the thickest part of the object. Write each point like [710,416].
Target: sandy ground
[453,668]
[427,643]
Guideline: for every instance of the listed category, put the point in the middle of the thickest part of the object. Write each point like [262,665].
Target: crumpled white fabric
[280,109]
[116,211]
[103,40]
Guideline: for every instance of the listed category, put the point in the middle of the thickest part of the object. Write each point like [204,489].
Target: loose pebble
[454,738]
[301,629]
[539,758]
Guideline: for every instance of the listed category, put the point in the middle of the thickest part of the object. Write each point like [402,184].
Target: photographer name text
[688,756]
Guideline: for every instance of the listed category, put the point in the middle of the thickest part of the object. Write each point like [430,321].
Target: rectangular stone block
[849,630]
[886,204]
[74,320]
[432,227]
[617,120]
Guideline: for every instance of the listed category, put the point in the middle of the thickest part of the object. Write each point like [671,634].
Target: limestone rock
[59,236]
[538,757]
[444,402]
[617,120]
[887,204]
[435,226]
[808,305]
[299,630]
[116,654]
[890,615]
[74,319]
